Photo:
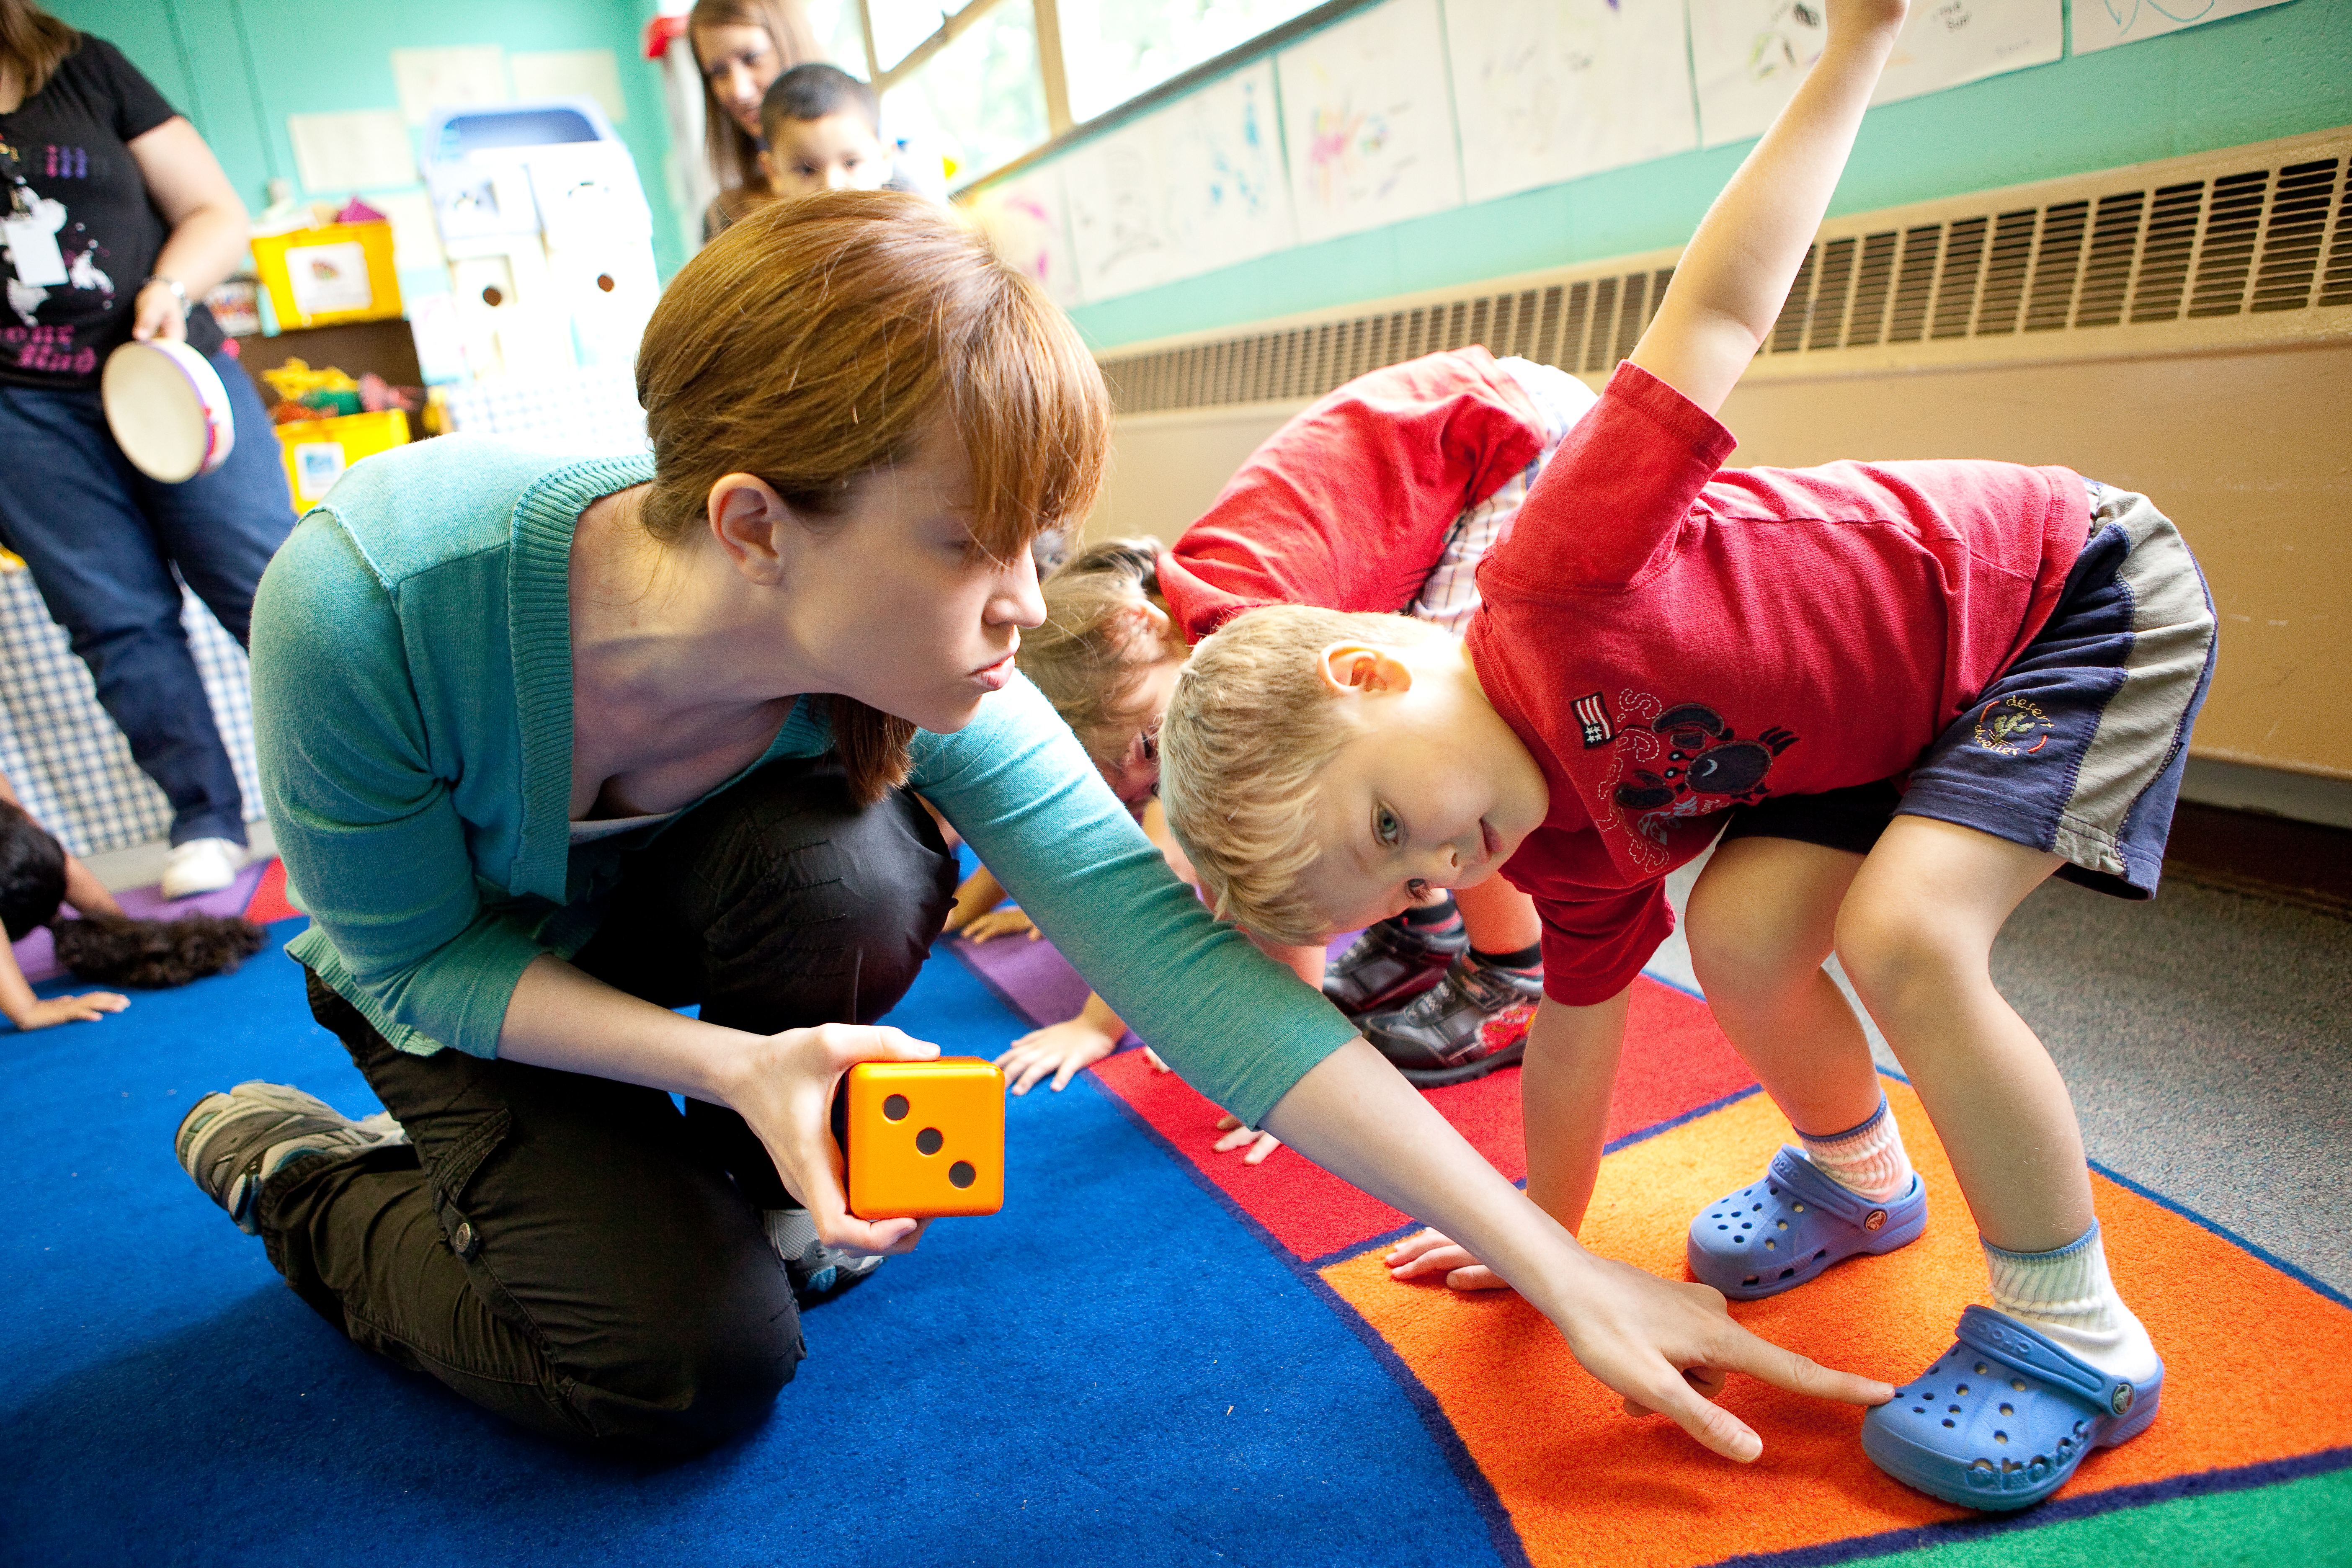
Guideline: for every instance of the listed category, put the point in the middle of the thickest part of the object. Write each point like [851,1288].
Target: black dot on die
[961,1174]
[929,1140]
[895,1108]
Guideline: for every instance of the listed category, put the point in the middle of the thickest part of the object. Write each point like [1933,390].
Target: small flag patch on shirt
[1593,712]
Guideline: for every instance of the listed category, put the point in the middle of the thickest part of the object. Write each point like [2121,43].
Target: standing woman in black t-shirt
[118,220]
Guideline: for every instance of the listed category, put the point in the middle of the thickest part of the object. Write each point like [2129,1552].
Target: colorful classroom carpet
[2250,1461]
[1154,1354]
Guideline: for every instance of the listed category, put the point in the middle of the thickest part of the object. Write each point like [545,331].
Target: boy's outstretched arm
[1734,276]
[1657,1343]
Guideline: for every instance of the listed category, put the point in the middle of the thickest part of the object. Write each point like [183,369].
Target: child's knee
[1751,936]
[1897,956]
[1737,956]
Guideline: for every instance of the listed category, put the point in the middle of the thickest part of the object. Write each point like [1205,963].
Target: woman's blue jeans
[101,539]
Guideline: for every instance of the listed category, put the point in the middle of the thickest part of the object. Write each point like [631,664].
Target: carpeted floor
[1154,1354]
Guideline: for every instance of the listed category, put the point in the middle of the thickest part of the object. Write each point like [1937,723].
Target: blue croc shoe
[1776,1234]
[2003,1416]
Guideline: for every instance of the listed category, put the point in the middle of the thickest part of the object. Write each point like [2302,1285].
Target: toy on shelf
[326,422]
[320,273]
[549,238]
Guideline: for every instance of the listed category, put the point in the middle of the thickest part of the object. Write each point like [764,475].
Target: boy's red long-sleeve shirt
[1670,639]
[1348,505]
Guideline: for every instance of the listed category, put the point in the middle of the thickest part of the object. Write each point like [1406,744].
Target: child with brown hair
[39,878]
[1662,641]
[823,133]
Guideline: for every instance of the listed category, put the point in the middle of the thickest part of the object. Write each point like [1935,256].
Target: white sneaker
[201,866]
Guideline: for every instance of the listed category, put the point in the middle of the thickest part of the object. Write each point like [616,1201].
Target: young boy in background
[1661,640]
[824,131]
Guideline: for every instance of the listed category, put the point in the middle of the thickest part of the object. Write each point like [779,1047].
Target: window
[841,33]
[986,82]
[1114,49]
[978,100]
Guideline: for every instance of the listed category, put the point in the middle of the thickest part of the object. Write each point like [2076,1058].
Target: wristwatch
[178,292]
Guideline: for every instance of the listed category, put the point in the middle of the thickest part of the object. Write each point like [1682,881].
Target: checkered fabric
[1449,594]
[588,413]
[69,764]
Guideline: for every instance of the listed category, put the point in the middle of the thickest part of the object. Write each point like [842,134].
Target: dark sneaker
[1390,964]
[815,1269]
[1474,1021]
[233,1142]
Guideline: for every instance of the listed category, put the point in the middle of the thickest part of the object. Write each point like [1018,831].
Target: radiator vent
[2215,251]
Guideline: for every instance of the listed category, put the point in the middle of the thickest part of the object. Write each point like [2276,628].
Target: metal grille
[2217,249]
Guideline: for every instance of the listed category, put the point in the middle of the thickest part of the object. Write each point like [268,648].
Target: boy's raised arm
[1735,273]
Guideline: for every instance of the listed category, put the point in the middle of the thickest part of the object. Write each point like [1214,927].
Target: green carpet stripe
[2307,1521]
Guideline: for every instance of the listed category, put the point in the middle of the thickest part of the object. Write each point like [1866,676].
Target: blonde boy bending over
[1662,641]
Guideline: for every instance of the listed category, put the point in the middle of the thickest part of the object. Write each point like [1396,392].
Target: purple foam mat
[36,955]
[1035,981]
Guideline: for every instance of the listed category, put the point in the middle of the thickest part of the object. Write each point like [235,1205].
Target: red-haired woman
[118,220]
[554,748]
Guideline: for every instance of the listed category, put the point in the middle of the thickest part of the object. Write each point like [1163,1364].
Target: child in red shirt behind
[1663,641]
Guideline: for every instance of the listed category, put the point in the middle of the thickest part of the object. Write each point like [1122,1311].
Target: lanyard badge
[30,228]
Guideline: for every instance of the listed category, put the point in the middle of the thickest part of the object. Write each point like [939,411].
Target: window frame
[1061,131]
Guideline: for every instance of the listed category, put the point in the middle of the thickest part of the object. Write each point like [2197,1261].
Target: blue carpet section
[1110,1370]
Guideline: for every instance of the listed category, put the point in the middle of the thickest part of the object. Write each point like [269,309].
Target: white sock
[1867,1159]
[2068,1295]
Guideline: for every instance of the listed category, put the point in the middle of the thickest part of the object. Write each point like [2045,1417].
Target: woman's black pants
[572,1252]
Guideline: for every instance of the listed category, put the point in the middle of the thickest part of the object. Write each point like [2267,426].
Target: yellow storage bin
[335,273]
[319,450]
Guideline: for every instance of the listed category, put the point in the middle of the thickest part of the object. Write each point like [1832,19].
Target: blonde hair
[735,155]
[35,42]
[822,340]
[1252,724]
[1083,657]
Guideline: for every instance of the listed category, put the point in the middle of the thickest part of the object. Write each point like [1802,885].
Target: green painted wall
[2277,72]
[238,68]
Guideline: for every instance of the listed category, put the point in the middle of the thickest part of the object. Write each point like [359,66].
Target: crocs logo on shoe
[1875,1220]
[2121,1402]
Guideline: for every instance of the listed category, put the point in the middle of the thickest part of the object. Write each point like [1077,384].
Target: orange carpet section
[1676,1061]
[1584,1483]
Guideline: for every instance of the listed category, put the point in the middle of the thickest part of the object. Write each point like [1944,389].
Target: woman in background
[741,47]
[120,221]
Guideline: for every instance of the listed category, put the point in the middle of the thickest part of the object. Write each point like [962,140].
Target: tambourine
[168,410]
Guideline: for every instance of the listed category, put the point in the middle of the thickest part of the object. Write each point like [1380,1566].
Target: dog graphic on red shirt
[1707,768]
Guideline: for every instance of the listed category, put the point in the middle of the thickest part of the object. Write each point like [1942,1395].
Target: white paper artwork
[327,278]
[358,149]
[2104,24]
[1750,54]
[1194,187]
[1369,121]
[571,73]
[1546,91]
[457,77]
[1025,220]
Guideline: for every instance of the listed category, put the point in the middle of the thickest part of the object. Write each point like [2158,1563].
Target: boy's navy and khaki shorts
[2077,747]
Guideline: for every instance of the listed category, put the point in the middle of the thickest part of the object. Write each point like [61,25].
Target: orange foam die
[926,1138]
